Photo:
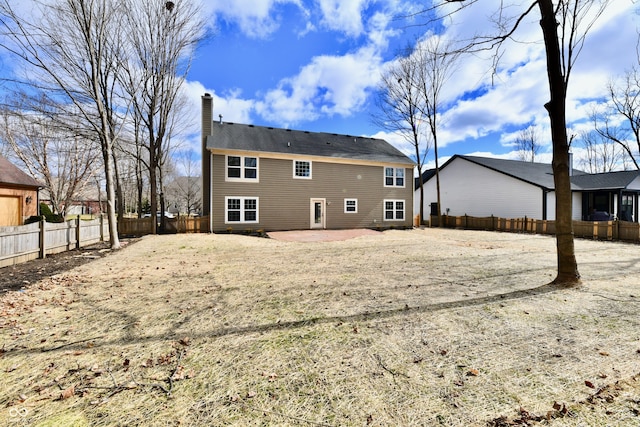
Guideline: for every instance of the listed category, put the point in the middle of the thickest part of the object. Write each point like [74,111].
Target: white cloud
[255,17]
[329,85]
[343,16]
[519,90]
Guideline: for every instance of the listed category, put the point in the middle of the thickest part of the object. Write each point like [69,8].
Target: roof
[538,174]
[541,174]
[606,181]
[233,136]
[10,175]
[426,176]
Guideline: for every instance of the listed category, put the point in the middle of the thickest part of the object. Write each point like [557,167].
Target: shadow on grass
[364,316]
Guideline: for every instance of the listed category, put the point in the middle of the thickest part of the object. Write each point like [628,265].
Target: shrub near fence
[37,240]
[601,230]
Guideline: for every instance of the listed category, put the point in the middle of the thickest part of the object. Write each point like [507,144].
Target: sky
[315,65]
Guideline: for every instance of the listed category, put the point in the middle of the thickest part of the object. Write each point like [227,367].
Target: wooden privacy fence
[602,230]
[181,224]
[37,240]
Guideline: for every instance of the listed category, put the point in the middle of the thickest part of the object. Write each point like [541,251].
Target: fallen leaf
[589,384]
[184,341]
[67,393]
[473,372]
[604,353]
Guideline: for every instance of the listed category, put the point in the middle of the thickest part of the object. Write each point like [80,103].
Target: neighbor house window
[241,210]
[394,210]
[350,205]
[394,177]
[241,168]
[302,169]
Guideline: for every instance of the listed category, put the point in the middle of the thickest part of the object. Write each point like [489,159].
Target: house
[87,201]
[18,194]
[264,178]
[479,186]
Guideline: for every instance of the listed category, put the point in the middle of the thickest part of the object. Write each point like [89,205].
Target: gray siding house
[263,178]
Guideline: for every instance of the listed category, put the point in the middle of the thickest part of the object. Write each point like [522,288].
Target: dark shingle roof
[11,175]
[233,136]
[426,176]
[541,174]
[605,181]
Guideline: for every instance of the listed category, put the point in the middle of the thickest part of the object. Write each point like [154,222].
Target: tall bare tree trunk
[568,274]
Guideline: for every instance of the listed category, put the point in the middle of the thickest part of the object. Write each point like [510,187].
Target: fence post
[102,227]
[43,251]
[78,232]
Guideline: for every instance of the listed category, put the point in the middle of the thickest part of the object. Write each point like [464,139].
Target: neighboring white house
[479,186]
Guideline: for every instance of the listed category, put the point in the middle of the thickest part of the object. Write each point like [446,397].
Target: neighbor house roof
[538,174]
[541,174]
[10,175]
[426,176]
[606,181]
[240,137]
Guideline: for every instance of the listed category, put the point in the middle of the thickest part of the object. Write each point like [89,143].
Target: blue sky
[314,65]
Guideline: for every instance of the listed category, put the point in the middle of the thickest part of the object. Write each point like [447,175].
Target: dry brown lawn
[403,328]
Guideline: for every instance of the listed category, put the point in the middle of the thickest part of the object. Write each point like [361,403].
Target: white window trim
[242,212]
[242,168]
[345,206]
[310,169]
[384,177]
[384,209]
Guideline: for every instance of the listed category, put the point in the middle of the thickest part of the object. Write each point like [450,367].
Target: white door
[318,217]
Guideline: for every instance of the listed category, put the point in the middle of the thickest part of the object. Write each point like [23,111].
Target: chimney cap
[207,95]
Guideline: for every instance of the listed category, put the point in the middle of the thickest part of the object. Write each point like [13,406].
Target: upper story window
[302,169]
[241,168]
[393,177]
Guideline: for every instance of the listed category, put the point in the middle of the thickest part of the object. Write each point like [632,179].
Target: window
[350,205]
[242,168]
[394,210]
[241,210]
[302,169]
[394,177]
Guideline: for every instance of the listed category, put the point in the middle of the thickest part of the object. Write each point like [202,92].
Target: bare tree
[601,154]
[625,103]
[399,110]
[184,188]
[162,36]
[437,59]
[564,25]
[527,144]
[71,52]
[65,163]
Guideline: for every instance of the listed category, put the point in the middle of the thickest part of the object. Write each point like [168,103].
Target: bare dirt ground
[419,327]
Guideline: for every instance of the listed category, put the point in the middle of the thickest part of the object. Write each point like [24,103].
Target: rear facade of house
[270,179]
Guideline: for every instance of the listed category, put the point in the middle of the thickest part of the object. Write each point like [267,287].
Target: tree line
[95,96]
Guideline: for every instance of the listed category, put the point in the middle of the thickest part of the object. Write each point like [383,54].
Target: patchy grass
[422,327]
